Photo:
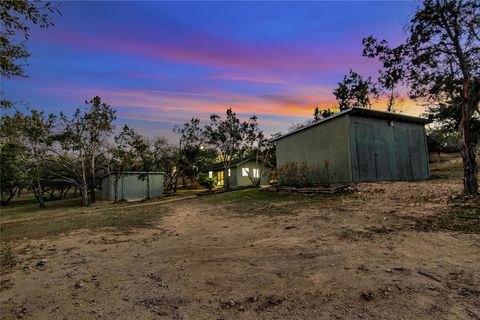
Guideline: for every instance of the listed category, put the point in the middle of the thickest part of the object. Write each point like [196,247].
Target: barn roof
[365,113]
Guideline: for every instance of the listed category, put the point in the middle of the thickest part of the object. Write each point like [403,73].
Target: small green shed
[133,186]
[357,145]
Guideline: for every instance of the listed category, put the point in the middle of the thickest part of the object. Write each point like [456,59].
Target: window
[210,174]
[245,172]
[220,178]
[229,172]
[256,173]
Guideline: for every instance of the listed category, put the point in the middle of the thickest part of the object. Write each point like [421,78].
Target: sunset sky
[160,63]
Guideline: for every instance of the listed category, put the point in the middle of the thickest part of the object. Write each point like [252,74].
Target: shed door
[384,165]
[402,153]
[365,152]
[417,154]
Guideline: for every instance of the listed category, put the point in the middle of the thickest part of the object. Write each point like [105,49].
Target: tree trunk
[175,182]
[470,168]
[6,199]
[84,192]
[115,189]
[226,180]
[148,186]
[92,179]
[92,190]
[39,192]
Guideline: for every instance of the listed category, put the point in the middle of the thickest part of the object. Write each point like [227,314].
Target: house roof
[233,163]
[362,112]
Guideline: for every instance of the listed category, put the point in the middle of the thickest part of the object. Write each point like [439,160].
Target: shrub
[205,181]
[303,175]
[442,140]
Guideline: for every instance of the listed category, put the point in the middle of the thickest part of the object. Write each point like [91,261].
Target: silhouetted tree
[228,136]
[189,149]
[354,91]
[392,72]
[81,139]
[16,16]
[321,114]
[442,64]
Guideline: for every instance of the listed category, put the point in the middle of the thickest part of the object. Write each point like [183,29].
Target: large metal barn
[358,145]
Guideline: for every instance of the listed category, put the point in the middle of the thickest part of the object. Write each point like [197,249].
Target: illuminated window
[220,178]
[245,172]
[229,172]
[210,174]
[256,173]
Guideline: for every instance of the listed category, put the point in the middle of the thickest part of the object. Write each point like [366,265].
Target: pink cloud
[214,51]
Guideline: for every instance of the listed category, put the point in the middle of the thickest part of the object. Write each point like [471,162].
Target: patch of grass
[450,168]
[26,206]
[116,218]
[253,194]
[256,201]
[8,260]
[19,210]
[463,216]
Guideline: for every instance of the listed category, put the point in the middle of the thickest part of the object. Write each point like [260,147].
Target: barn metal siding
[328,141]
[384,150]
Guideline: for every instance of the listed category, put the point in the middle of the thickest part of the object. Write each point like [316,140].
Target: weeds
[8,259]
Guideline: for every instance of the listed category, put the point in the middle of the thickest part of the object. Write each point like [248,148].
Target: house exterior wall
[316,145]
[236,178]
[246,181]
[131,187]
[384,150]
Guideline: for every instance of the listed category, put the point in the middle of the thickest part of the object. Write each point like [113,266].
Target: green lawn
[134,217]
[450,167]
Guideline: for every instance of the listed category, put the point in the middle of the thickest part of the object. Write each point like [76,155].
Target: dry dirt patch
[352,256]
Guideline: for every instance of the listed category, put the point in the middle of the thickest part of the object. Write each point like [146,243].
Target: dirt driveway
[378,253]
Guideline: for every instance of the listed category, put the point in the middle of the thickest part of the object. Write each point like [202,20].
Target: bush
[442,140]
[205,181]
[294,175]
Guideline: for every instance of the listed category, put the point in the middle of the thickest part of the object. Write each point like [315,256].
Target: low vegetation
[18,224]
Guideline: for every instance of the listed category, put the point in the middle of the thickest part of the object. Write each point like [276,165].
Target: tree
[261,148]
[442,139]
[392,72]
[37,131]
[228,136]
[354,91]
[119,159]
[442,65]
[13,156]
[16,15]
[166,160]
[12,170]
[321,114]
[26,138]
[143,154]
[189,149]
[80,140]
[99,125]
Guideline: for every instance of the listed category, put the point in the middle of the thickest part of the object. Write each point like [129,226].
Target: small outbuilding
[239,173]
[357,145]
[132,186]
